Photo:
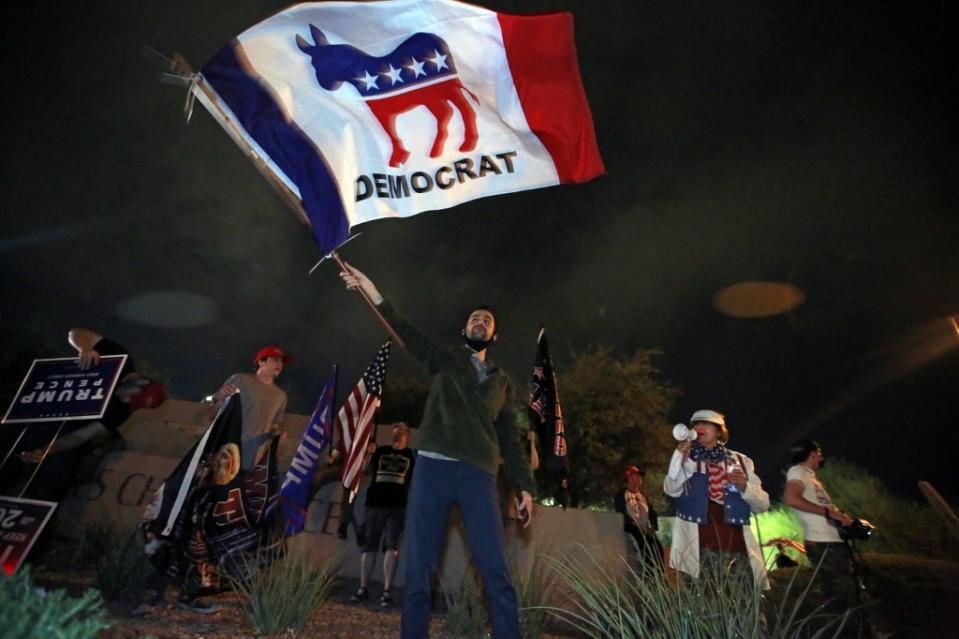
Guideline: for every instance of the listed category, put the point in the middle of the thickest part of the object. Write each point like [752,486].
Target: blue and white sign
[59,390]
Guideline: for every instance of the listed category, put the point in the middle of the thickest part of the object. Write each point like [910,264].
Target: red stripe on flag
[542,60]
[354,464]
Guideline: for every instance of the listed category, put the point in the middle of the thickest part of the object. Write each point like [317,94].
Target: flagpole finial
[329,256]
[317,265]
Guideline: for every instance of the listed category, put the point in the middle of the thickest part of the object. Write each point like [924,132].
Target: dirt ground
[338,618]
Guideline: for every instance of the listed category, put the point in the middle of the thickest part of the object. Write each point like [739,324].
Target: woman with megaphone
[716,491]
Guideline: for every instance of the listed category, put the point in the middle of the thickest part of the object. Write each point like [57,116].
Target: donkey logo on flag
[419,72]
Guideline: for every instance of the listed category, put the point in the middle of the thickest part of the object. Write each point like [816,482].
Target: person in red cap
[262,401]
[639,517]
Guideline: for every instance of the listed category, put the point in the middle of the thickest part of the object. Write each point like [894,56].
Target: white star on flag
[370,80]
[438,60]
[416,67]
[394,74]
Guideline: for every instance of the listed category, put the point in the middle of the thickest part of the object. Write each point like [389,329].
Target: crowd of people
[468,433]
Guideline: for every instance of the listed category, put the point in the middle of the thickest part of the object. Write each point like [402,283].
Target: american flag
[354,422]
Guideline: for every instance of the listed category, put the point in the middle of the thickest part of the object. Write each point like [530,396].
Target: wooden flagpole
[209,99]
[373,309]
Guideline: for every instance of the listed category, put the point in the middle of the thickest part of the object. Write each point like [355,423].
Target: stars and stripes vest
[692,504]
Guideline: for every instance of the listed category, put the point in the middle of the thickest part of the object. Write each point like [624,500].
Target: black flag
[546,414]
[209,516]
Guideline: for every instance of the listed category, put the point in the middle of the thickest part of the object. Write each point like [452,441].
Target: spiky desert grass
[614,600]
[285,586]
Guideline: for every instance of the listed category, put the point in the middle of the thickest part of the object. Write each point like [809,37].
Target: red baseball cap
[633,470]
[272,351]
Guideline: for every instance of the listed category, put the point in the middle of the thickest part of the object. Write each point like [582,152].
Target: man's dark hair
[802,449]
[484,307]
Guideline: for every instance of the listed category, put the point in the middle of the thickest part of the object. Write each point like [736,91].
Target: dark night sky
[813,143]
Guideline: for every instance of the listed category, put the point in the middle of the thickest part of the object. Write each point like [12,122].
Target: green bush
[623,602]
[466,616]
[29,613]
[917,597]
[780,521]
[96,538]
[620,407]
[534,588]
[903,526]
[123,569]
[279,593]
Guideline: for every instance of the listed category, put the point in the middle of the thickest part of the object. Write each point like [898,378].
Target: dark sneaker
[386,599]
[361,595]
[195,604]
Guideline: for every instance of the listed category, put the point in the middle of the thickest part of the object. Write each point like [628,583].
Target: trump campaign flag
[545,410]
[295,493]
[368,110]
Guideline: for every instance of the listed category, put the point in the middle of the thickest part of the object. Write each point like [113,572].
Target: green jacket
[472,421]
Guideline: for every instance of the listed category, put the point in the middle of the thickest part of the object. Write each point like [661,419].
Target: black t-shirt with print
[391,471]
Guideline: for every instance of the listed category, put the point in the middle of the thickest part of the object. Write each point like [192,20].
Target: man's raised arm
[419,346]
[355,279]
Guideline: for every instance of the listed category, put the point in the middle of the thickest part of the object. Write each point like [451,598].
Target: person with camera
[824,526]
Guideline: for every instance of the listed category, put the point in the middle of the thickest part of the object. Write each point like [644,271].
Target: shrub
[534,588]
[466,616]
[622,602]
[123,569]
[902,526]
[620,408]
[30,613]
[780,521]
[96,538]
[284,586]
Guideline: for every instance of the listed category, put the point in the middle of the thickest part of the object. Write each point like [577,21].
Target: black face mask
[822,463]
[477,345]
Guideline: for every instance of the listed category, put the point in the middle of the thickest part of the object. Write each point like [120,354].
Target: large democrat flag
[388,109]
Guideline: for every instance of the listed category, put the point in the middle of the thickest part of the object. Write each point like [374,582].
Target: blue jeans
[437,485]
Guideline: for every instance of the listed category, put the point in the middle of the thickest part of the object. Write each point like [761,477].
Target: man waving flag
[367,110]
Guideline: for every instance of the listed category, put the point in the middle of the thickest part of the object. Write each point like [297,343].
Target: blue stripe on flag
[289,148]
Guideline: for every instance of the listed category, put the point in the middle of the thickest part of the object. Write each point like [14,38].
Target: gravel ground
[336,619]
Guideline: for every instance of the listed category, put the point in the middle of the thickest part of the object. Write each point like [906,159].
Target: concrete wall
[157,439]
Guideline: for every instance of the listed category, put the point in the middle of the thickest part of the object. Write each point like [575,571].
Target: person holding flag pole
[469,423]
